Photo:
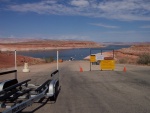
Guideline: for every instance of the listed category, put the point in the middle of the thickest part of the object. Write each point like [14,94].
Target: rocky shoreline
[7,49]
[125,55]
[128,55]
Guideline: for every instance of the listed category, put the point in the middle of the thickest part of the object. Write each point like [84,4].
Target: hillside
[46,45]
[131,55]
[7,60]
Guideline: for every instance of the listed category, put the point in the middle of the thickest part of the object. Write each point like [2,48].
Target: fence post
[89,59]
[15,60]
[57,59]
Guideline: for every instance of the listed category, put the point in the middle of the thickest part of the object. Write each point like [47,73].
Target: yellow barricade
[107,65]
[92,58]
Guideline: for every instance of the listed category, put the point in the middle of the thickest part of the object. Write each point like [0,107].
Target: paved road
[96,91]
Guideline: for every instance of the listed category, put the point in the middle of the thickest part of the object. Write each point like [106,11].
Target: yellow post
[92,58]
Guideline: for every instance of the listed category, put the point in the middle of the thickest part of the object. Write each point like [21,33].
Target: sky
[94,20]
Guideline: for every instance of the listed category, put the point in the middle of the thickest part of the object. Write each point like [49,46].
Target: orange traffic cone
[81,70]
[124,69]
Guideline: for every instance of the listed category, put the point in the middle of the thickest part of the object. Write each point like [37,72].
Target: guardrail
[8,72]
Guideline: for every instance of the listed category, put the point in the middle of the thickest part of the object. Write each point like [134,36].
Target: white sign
[99,57]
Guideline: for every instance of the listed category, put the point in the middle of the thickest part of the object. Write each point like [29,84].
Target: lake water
[65,54]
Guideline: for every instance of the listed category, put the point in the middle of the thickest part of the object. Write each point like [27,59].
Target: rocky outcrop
[131,54]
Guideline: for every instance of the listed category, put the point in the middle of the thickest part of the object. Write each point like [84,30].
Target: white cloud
[104,25]
[11,36]
[47,36]
[80,3]
[110,9]
[44,7]
[72,37]
[126,9]
[146,26]
[125,32]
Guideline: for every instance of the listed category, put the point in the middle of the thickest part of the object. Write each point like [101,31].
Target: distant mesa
[43,44]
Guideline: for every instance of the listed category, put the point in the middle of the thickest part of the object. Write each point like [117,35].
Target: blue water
[77,54]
